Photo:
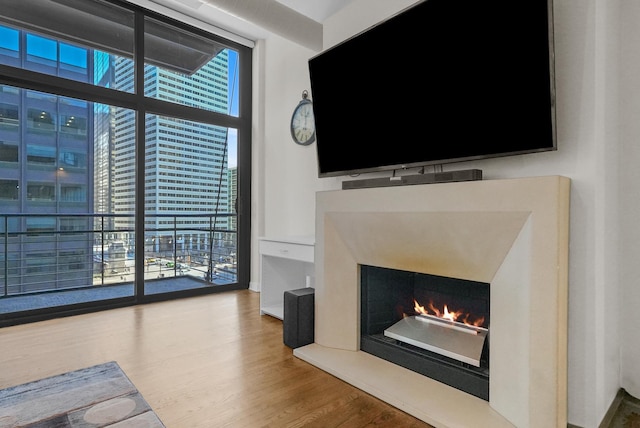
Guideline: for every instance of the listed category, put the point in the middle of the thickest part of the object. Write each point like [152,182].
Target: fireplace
[510,234]
[433,325]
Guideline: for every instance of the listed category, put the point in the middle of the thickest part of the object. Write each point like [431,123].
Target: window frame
[31,80]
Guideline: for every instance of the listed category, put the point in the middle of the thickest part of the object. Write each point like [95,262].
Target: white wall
[629,212]
[598,113]
[284,174]
[290,169]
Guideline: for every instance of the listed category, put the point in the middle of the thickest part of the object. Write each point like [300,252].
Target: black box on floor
[298,319]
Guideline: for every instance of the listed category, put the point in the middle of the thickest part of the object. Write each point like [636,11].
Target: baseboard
[611,413]
[613,408]
[254,286]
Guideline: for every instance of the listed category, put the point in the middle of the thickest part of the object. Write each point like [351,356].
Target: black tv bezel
[458,159]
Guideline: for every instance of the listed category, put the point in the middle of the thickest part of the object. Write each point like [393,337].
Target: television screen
[442,81]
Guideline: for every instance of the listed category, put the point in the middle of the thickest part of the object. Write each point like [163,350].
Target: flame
[458,316]
[451,316]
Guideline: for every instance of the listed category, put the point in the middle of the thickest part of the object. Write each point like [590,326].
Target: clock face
[303,129]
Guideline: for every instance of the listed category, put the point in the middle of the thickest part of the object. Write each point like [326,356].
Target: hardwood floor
[208,362]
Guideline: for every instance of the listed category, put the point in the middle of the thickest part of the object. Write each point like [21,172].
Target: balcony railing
[49,252]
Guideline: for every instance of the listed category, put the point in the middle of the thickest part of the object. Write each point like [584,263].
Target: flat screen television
[442,81]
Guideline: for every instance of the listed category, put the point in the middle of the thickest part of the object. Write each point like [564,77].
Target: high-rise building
[185,161]
[46,144]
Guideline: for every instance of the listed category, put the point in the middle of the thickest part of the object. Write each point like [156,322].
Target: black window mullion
[164,108]
[55,85]
[139,218]
[244,168]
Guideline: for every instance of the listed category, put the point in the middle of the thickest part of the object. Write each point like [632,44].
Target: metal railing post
[102,250]
[6,255]
[175,245]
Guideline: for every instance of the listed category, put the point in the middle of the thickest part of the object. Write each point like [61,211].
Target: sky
[232,137]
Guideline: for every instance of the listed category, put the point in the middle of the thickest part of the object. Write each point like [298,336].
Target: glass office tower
[186,162]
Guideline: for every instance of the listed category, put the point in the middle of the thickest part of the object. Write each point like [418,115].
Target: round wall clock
[303,127]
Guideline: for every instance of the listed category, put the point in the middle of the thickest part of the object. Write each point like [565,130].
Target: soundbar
[405,180]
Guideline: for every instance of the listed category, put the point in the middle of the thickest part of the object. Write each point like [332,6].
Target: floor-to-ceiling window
[124,154]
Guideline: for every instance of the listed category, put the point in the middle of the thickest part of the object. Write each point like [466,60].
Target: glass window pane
[9,41]
[41,224]
[41,155]
[72,158]
[41,192]
[73,193]
[191,185]
[8,152]
[8,114]
[42,47]
[9,190]
[71,261]
[190,70]
[71,124]
[41,120]
[70,224]
[67,153]
[73,56]
[40,263]
[13,223]
[40,97]
[65,169]
[82,40]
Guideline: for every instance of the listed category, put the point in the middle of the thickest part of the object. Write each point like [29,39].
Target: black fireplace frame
[378,287]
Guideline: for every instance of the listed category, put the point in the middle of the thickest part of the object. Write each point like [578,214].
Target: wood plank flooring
[207,362]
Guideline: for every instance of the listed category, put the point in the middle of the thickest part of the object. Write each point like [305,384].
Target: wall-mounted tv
[442,81]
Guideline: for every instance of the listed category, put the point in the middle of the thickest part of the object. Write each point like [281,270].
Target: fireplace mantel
[512,234]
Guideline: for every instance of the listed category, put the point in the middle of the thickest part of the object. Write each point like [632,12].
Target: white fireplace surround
[512,234]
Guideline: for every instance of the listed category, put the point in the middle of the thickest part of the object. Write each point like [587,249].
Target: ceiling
[297,20]
[318,10]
